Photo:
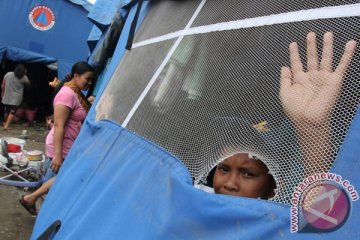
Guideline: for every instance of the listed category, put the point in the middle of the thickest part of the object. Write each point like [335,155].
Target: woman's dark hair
[81,68]
[78,68]
[19,71]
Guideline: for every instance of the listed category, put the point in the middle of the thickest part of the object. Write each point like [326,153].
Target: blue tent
[44,32]
[116,184]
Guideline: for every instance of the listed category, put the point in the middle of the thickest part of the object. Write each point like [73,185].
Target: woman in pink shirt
[70,109]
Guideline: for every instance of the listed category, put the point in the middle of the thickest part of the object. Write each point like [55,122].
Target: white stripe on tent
[157,73]
[351,10]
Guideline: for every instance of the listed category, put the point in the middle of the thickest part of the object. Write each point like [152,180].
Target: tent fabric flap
[125,186]
[84,3]
[115,183]
[2,52]
[103,12]
[21,55]
[94,37]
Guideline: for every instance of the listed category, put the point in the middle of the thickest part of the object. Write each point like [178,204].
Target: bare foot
[28,199]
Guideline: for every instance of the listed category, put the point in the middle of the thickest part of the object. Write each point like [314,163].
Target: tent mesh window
[168,16]
[210,90]
[213,12]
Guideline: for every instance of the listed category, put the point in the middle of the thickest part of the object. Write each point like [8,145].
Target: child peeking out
[308,96]
[245,176]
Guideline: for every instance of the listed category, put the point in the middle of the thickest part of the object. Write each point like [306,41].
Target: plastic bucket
[16,141]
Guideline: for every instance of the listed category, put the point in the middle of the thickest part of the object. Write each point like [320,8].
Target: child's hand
[309,96]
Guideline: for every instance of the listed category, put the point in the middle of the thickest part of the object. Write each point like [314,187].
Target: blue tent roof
[103,12]
[64,42]
[84,3]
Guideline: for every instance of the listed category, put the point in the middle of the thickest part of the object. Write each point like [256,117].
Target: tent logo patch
[42,18]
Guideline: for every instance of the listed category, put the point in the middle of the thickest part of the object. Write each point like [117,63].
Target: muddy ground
[15,222]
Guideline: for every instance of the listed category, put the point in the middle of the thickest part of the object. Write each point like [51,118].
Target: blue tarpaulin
[103,12]
[84,3]
[20,55]
[64,42]
[118,185]
[101,15]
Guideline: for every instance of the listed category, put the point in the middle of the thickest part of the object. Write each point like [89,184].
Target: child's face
[242,176]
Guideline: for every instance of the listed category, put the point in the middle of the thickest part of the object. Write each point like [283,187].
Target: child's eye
[247,174]
[222,169]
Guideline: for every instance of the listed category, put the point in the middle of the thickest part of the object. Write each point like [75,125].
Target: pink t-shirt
[67,97]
